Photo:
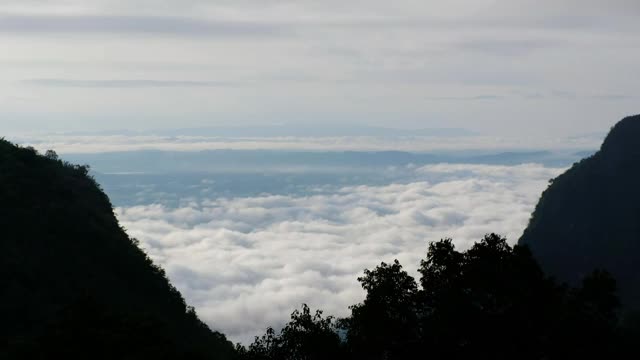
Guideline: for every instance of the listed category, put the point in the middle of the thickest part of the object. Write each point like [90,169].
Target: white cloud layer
[246,263]
[70,144]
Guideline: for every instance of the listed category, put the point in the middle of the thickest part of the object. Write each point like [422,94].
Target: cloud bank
[83,144]
[246,263]
[128,83]
[132,24]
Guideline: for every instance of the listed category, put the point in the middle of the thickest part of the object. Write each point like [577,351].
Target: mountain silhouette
[73,283]
[589,217]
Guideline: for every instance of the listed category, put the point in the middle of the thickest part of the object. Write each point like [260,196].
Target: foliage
[305,337]
[74,285]
[385,324]
[491,301]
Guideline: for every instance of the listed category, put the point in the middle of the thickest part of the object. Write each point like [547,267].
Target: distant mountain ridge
[589,217]
[154,161]
[74,285]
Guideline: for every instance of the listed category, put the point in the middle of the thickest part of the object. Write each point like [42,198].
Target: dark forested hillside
[73,284]
[589,217]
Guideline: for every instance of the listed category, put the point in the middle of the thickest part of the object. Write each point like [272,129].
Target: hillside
[74,285]
[589,217]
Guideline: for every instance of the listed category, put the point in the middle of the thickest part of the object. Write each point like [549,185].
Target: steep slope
[589,217]
[73,284]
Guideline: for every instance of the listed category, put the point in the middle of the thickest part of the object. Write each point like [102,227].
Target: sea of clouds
[246,262]
[85,144]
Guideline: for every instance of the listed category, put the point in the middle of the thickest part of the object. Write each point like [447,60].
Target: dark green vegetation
[589,217]
[491,301]
[74,285]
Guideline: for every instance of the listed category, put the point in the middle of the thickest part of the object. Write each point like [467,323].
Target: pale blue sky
[503,67]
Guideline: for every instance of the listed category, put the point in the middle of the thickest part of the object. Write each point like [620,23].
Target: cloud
[613,97]
[245,263]
[389,57]
[466,98]
[76,144]
[260,19]
[372,61]
[509,47]
[130,83]
[92,24]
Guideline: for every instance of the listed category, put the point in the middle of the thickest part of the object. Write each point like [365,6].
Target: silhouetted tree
[50,154]
[306,337]
[384,326]
[491,301]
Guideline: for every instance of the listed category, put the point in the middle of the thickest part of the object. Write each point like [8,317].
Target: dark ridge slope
[74,285]
[589,217]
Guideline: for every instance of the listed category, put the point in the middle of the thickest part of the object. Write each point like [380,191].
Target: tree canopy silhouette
[305,337]
[74,285]
[491,301]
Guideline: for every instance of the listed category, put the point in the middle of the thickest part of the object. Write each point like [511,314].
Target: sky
[499,67]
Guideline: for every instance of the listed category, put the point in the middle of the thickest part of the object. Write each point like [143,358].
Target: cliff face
[74,284]
[589,217]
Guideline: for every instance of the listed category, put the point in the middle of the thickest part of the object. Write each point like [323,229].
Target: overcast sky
[503,67]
